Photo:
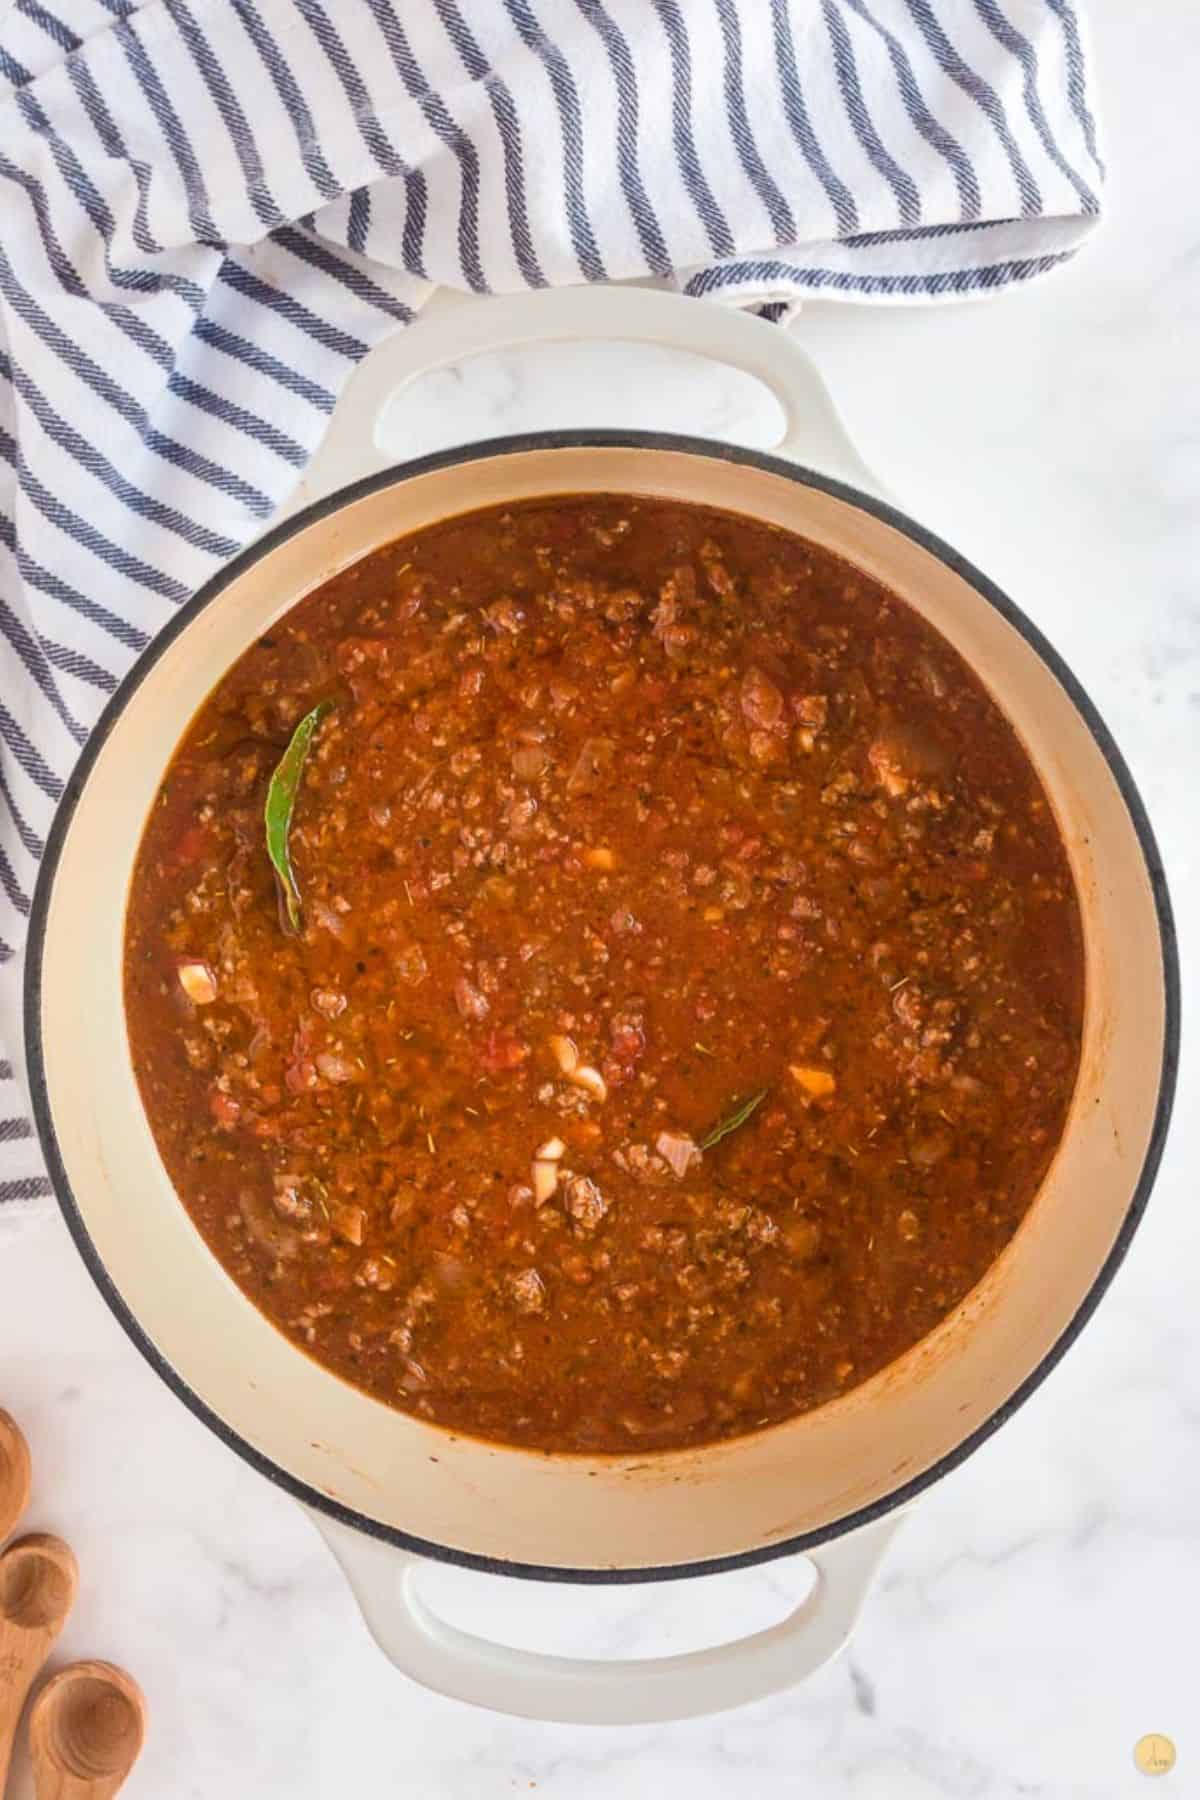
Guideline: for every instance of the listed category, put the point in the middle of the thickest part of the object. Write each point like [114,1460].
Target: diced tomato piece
[224,1109]
[301,1075]
[628,1042]
[502,1050]
[196,840]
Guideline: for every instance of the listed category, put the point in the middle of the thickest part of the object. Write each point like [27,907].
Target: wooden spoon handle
[37,1589]
[86,1731]
[14,1474]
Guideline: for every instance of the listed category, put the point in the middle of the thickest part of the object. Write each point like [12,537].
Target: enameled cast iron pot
[388,1490]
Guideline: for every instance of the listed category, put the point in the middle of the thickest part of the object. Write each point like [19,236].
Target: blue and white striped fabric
[211,209]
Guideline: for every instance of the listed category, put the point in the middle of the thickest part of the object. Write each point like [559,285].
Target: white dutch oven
[388,1490]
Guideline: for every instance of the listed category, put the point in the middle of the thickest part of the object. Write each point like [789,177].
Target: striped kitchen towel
[211,209]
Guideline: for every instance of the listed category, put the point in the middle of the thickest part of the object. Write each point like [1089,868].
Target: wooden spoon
[37,1588]
[86,1731]
[14,1474]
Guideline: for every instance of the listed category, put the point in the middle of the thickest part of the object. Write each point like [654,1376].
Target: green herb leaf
[280,805]
[732,1120]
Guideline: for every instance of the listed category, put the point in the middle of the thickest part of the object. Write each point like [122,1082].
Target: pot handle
[579,1691]
[454,327]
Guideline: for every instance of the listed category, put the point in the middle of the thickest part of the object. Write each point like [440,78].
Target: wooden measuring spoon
[14,1474]
[37,1588]
[86,1731]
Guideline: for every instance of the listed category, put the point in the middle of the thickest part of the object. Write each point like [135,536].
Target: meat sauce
[688,991]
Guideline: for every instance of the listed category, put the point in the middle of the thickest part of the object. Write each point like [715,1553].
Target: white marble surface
[1038,1613]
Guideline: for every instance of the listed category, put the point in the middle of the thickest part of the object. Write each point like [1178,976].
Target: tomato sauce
[687,995]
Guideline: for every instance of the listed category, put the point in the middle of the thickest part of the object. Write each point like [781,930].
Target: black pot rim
[569,440]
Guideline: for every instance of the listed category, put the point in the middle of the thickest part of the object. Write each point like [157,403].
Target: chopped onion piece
[328,1002]
[349,1224]
[591,1080]
[545,1181]
[471,1003]
[198,982]
[566,1055]
[678,1150]
[328,918]
[553,1150]
[592,766]
[529,761]
[600,857]
[335,1067]
[585,1203]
